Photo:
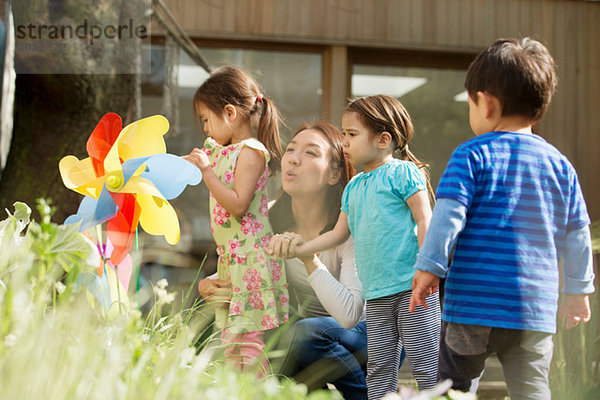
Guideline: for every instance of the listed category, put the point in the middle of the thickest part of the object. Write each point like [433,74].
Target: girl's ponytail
[405,154]
[268,132]
[385,113]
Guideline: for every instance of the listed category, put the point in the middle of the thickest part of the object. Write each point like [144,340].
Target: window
[293,80]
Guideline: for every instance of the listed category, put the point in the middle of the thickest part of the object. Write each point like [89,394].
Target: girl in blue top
[387,210]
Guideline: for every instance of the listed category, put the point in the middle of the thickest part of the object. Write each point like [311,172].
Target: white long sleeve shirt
[333,289]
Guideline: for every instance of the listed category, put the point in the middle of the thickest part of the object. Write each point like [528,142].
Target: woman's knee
[298,340]
[309,338]
[303,336]
[308,329]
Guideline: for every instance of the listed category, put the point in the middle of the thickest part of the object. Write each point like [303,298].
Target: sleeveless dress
[260,299]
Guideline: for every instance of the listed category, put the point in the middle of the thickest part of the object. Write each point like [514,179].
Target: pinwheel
[109,284]
[128,178]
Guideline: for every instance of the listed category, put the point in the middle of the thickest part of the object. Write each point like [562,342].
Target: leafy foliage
[55,344]
[595,229]
[575,370]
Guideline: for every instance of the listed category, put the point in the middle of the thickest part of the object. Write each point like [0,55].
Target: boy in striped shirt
[509,206]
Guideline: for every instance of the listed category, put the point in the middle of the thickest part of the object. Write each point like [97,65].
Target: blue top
[384,231]
[521,197]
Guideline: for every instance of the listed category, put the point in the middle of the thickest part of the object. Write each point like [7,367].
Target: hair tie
[404,148]
[259,97]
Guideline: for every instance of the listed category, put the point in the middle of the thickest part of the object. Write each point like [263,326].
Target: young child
[510,206]
[234,167]
[387,210]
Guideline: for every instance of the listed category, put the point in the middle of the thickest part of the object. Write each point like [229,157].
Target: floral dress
[260,299]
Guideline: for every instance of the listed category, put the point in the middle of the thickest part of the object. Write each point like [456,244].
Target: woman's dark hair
[381,113]
[232,85]
[280,213]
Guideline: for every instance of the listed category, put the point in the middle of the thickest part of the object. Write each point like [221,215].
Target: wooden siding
[570,29]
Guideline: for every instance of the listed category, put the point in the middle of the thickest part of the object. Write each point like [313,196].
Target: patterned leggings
[243,350]
[390,327]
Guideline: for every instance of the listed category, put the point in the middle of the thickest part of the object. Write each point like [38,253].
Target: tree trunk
[55,113]
[54,116]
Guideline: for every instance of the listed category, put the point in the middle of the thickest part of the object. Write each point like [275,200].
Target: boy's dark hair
[519,72]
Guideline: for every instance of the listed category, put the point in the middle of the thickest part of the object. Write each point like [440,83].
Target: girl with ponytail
[241,149]
[387,210]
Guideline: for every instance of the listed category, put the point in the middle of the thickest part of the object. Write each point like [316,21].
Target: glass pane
[292,80]
[434,99]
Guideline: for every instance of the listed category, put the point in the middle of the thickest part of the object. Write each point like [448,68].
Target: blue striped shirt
[522,197]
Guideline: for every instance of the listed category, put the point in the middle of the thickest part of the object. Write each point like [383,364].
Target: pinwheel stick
[137,269]
[101,248]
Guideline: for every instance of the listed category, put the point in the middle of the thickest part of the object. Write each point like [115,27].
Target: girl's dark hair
[381,113]
[280,213]
[520,73]
[232,85]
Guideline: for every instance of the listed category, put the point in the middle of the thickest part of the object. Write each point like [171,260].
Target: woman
[324,288]
[331,337]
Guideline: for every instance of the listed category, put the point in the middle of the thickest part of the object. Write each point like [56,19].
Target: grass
[575,369]
[58,342]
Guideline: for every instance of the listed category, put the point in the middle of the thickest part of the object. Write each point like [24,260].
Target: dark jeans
[321,351]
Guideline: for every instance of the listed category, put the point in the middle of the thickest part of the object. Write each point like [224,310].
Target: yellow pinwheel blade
[143,138]
[139,185]
[158,217]
[138,139]
[78,175]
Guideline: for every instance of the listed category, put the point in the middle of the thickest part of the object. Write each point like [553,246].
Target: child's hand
[214,289]
[199,158]
[575,308]
[285,245]
[424,284]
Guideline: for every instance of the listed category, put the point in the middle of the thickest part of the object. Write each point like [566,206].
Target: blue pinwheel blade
[97,286]
[132,165]
[171,174]
[92,212]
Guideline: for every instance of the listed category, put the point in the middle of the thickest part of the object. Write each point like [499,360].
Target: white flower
[186,357]
[169,298]
[162,283]
[60,287]
[160,291]
[10,340]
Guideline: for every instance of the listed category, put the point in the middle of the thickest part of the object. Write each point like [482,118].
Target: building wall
[570,29]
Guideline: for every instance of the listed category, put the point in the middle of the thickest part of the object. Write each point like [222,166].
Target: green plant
[575,367]
[595,230]
[54,344]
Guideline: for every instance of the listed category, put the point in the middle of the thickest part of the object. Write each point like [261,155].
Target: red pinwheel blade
[101,140]
[121,229]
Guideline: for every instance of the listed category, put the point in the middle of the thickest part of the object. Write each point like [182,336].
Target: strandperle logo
[85,30]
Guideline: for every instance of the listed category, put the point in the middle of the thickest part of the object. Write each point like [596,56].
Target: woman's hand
[199,158]
[284,245]
[214,290]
